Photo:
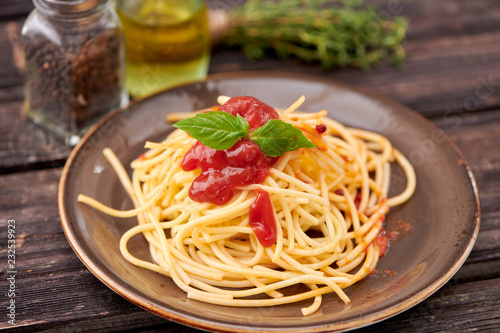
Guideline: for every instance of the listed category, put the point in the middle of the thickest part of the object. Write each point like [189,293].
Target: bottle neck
[69,9]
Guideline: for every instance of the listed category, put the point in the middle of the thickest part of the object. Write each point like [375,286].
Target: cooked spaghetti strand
[329,204]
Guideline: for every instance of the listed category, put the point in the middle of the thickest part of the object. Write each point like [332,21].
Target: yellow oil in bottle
[167,43]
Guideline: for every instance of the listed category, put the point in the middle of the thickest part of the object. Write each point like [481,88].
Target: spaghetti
[329,204]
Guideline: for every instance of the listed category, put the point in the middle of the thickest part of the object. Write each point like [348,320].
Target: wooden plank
[57,292]
[23,145]
[12,8]
[430,18]
[452,309]
[445,41]
[477,136]
[452,49]
[458,91]
[440,75]
[54,289]
[11,56]
[452,75]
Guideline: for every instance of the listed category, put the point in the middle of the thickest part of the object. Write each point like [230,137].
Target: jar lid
[69,7]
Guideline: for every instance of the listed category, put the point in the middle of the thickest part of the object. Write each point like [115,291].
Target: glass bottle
[74,64]
[167,43]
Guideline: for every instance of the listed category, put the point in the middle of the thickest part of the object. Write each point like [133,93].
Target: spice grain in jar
[74,65]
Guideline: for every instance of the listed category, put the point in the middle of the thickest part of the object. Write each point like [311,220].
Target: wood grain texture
[451,75]
[14,8]
[441,72]
[24,145]
[57,292]
[449,70]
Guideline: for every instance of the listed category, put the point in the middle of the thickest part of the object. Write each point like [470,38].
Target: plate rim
[107,277]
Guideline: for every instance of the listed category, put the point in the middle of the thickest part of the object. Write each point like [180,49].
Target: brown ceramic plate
[444,212]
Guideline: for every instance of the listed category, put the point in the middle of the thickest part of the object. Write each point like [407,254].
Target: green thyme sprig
[220,130]
[332,33]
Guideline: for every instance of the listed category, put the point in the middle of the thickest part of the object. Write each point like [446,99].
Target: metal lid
[69,7]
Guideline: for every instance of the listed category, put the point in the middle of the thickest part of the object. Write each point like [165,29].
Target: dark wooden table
[451,76]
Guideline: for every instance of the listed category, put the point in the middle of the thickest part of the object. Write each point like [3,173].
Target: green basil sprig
[220,130]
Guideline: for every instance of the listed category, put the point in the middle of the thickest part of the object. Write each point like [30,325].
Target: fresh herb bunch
[332,33]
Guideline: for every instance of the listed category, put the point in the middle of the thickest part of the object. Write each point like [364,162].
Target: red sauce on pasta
[262,219]
[243,164]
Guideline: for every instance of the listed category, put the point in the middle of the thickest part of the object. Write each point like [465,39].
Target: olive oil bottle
[167,43]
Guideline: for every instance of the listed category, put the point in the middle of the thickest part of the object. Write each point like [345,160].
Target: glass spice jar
[74,65]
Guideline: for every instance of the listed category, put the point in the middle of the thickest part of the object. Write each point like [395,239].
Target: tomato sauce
[321,128]
[381,241]
[243,164]
[254,111]
[262,219]
[394,230]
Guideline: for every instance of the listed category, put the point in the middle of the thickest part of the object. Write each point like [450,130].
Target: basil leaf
[215,129]
[276,138]
[243,123]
